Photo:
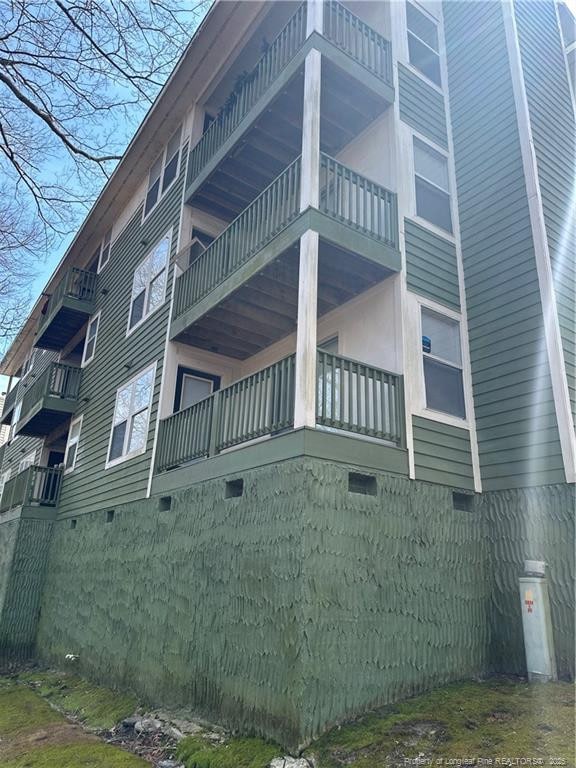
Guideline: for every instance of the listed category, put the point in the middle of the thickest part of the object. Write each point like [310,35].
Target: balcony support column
[310,177]
[305,385]
[314,17]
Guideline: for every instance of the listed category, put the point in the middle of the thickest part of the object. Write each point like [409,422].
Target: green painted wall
[431,267]
[553,130]
[282,610]
[515,417]
[24,546]
[118,358]
[421,106]
[442,453]
[535,524]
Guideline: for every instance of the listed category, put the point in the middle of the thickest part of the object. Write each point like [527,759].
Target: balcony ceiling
[275,139]
[264,309]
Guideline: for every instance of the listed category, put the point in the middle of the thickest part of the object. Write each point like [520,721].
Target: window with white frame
[149,285]
[131,417]
[104,250]
[27,461]
[90,341]
[442,362]
[423,43]
[163,172]
[28,363]
[72,444]
[432,186]
[15,418]
[4,477]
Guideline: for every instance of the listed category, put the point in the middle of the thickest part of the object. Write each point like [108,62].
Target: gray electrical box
[536,622]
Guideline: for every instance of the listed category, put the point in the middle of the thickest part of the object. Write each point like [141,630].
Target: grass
[494,719]
[501,720]
[94,706]
[34,735]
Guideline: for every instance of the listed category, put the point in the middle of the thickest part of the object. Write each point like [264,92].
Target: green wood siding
[431,268]
[553,131]
[421,106]
[442,453]
[118,358]
[517,430]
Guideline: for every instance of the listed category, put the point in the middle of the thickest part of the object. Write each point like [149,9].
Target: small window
[200,241]
[329,345]
[72,445]
[15,418]
[104,250]
[90,341]
[73,524]
[27,461]
[441,350]
[149,284]
[234,488]
[432,187]
[131,417]
[364,484]
[423,44]
[109,515]
[28,363]
[165,504]
[462,502]
[163,172]
[4,477]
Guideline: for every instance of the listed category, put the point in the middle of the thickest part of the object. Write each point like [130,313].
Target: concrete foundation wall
[285,610]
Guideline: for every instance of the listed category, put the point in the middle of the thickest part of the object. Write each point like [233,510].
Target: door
[193,386]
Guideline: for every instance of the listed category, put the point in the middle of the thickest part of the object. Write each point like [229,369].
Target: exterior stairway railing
[34,486]
[359,398]
[260,404]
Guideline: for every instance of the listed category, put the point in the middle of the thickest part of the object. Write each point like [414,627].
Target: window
[131,417]
[432,188]
[163,172]
[193,386]
[234,488]
[15,418]
[200,241]
[4,477]
[442,355]
[103,250]
[28,363]
[27,461]
[364,484]
[149,286]
[72,445]
[423,44]
[90,341]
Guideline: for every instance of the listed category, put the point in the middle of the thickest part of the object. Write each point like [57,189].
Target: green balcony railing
[58,380]
[359,398]
[34,486]
[271,212]
[258,405]
[10,402]
[358,202]
[280,52]
[358,40]
[77,284]
[341,27]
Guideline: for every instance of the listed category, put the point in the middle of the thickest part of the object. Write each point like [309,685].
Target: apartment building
[299,398]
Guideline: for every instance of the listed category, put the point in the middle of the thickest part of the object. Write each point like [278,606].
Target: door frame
[184,371]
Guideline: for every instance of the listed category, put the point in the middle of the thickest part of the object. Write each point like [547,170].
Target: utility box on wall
[536,623]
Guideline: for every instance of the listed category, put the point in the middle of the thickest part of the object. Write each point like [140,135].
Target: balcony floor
[272,137]
[264,308]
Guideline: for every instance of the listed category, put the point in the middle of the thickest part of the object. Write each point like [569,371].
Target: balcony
[258,130]
[240,295]
[67,309]
[9,403]
[49,401]
[34,487]
[352,398]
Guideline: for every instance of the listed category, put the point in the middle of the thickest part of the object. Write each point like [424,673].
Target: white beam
[305,388]
[310,173]
[314,17]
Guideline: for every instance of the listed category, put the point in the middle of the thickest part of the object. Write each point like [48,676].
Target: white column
[305,388]
[314,17]
[310,173]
